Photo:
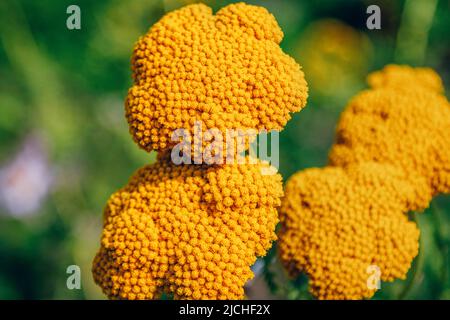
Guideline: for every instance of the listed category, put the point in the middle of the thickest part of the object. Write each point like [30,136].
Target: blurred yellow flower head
[407,126]
[391,156]
[402,76]
[335,57]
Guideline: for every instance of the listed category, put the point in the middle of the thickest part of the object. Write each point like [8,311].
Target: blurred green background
[65,147]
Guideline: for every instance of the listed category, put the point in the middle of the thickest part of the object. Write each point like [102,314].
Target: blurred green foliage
[68,86]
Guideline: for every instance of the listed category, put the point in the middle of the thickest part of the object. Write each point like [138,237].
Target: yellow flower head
[403,127]
[398,76]
[225,70]
[337,223]
[391,155]
[190,230]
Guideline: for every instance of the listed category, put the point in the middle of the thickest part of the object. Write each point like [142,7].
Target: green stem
[441,242]
[417,267]
[412,38]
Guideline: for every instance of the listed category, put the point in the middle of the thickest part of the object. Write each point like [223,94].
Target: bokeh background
[65,147]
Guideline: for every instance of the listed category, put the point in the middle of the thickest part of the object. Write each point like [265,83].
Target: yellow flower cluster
[407,127]
[191,230]
[400,77]
[391,155]
[338,222]
[225,70]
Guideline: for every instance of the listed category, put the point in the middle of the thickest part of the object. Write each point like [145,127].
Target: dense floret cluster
[226,71]
[338,222]
[192,231]
[406,127]
[402,76]
[391,155]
